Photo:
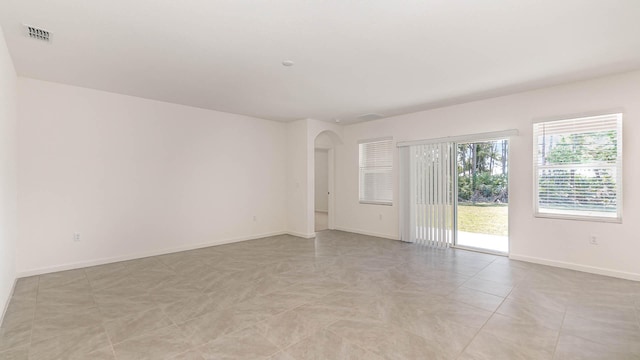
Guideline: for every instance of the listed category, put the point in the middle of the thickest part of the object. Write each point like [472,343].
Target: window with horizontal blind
[376,158]
[578,168]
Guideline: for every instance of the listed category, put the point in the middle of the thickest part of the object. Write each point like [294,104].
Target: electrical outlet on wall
[593,239]
[76,237]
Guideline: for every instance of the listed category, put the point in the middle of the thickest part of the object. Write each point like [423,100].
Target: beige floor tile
[294,325]
[451,337]
[213,325]
[340,295]
[245,344]
[77,343]
[476,298]
[125,328]
[145,264]
[26,288]
[173,289]
[488,286]
[189,355]
[15,354]
[165,343]
[460,313]
[390,342]
[624,334]
[438,287]
[117,306]
[327,345]
[66,296]
[14,337]
[506,338]
[282,356]
[488,346]
[606,312]
[57,321]
[204,276]
[504,273]
[266,306]
[189,308]
[232,291]
[548,298]
[19,314]
[108,276]
[70,279]
[574,348]
[512,329]
[150,278]
[532,313]
[127,290]
[313,286]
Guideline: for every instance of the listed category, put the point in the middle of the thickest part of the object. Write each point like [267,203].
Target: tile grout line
[113,350]
[555,348]
[485,323]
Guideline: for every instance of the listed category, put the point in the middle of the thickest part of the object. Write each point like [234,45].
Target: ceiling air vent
[370,116]
[37,33]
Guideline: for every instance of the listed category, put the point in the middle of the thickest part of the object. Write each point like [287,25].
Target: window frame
[360,183]
[618,166]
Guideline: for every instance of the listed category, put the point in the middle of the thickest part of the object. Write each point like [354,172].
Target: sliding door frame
[480,137]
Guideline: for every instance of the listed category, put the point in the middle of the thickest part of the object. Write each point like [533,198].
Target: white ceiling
[351,57]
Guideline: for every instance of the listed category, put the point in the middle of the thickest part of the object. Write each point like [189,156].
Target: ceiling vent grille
[38,34]
[370,116]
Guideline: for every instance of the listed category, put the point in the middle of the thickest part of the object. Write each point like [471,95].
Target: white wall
[558,242]
[138,177]
[321,180]
[297,178]
[7,174]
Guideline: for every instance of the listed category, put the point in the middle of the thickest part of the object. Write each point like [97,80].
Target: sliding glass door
[455,192]
[482,195]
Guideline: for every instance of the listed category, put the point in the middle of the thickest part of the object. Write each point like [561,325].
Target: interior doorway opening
[482,207]
[323,179]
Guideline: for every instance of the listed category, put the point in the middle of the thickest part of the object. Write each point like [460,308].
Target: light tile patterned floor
[340,296]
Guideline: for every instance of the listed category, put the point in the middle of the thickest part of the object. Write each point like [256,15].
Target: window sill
[603,219]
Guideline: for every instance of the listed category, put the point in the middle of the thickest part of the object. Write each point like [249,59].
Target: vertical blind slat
[431,194]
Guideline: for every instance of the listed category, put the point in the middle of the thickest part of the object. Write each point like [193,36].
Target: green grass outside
[483,218]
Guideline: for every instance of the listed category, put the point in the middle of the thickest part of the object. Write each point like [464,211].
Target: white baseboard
[369,233]
[577,267]
[302,235]
[103,261]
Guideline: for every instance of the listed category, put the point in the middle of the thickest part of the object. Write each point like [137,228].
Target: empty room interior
[293,180]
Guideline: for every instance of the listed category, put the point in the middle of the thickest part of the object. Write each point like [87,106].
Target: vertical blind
[428,193]
[578,167]
[375,163]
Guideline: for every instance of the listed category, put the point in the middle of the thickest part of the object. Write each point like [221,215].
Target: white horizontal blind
[376,164]
[578,167]
[431,195]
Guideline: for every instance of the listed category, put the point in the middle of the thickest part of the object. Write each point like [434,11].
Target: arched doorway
[324,172]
